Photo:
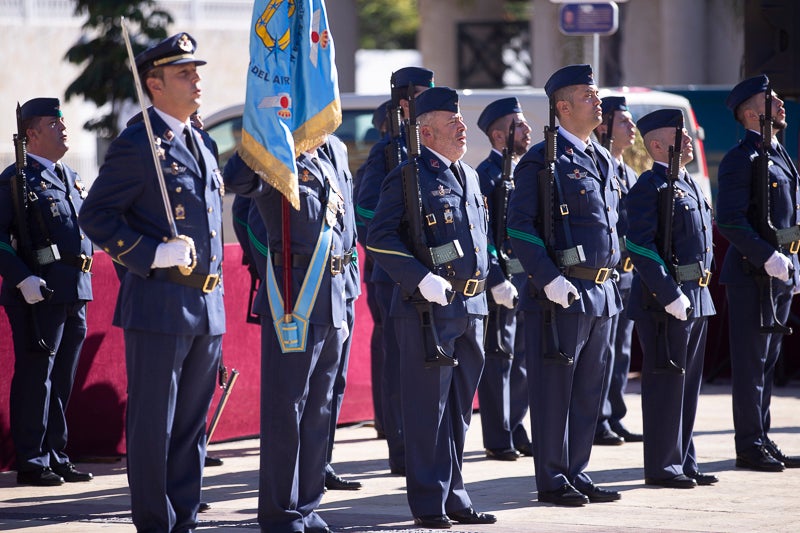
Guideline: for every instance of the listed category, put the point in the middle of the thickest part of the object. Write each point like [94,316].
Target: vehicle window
[640,110]
[228,136]
[358,134]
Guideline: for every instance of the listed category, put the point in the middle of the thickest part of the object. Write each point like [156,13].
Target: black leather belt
[206,282]
[625,264]
[338,262]
[469,287]
[82,262]
[598,275]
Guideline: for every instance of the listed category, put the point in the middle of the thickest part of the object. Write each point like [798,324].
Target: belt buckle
[471,287]
[627,266]
[210,283]
[602,275]
[794,247]
[705,279]
[86,262]
[336,264]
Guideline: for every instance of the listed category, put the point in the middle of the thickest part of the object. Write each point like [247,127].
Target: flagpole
[286,218]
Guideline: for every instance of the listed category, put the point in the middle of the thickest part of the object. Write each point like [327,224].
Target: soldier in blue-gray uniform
[379,122]
[610,429]
[670,301]
[170,302]
[42,382]
[571,295]
[335,151]
[503,389]
[760,272]
[297,376]
[380,162]
[436,400]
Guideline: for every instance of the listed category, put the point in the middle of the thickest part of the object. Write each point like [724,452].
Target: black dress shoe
[398,471]
[509,454]
[703,479]
[524,449]
[433,521]
[628,435]
[567,496]
[43,477]
[758,458]
[678,482]
[70,474]
[334,482]
[598,494]
[204,506]
[470,516]
[213,461]
[608,438]
[789,461]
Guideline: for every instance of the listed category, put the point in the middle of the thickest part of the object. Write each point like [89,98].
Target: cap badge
[184,43]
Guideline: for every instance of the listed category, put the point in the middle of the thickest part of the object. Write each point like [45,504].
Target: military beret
[498,109]
[41,107]
[613,103]
[414,76]
[661,118]
[174,50]
[437,99]
[379,115]
[745,89]
[569,75]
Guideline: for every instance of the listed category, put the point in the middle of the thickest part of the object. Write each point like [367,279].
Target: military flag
[292,99]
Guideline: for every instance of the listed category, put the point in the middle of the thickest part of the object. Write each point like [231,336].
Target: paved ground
[742,501]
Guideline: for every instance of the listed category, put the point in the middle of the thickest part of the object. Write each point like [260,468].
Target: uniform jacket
[59,206]
[692,236]
[736,207]
[305,224]
[124,214]
[592,201]
[459,213]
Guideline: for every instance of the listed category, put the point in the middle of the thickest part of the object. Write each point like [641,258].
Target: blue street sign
[600,18]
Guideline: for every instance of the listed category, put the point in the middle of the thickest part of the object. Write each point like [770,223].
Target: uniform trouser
[296,392]
[613,408]
[437,407]
[390,384]
[41,386]
[503,389]
[340,381]
[565,400]
[753,358]
[171,380]
[669,400]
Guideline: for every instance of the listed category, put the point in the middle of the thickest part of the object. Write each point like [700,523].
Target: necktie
[60,173]
[590,152]
[456,169]
[190,144]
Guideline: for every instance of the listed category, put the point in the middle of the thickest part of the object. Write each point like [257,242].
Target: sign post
[589,18]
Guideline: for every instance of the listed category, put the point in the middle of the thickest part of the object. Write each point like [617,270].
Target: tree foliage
[106,77]
[388,24]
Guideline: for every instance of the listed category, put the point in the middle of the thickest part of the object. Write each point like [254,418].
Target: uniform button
[214,232]
[178,189]
[608,208]
[83,236]
[477,249]
[466,203]
[471,226]
[210,209]
[708,249]
[583,191]
[213,258]
[477,273]
[613,251]
[774,185]
[612,229]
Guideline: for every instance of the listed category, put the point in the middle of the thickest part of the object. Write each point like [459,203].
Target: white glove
[678,307]
[433,288]
[558,291]
[31,289]
[176,252]
[778,265]
[504,294]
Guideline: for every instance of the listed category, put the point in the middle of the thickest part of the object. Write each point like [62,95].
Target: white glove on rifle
[172,253]
[678,307]
[558,291]
[504,294]
[778,266]
[31,289]
[433,288]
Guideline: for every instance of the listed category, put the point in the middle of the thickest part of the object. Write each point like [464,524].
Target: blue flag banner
[292,99]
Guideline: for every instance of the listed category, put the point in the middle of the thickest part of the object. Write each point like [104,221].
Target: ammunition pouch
[446,253]
[48,254]
[692,272]
[570,256]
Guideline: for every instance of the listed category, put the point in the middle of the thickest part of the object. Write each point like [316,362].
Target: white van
[359,134]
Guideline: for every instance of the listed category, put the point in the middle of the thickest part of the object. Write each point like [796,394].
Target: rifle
[33,258]
[664,364]
[435,354]
[548,188]
[393,152]
[763,221]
